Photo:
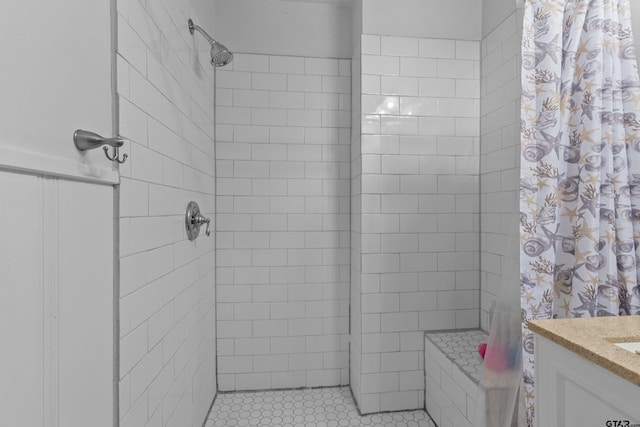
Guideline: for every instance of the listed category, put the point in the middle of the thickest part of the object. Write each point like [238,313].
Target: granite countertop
[593,338]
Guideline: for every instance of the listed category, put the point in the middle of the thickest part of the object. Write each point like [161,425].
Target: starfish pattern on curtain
[580,165]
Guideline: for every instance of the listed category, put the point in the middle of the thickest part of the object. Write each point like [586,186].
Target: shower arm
[193,26]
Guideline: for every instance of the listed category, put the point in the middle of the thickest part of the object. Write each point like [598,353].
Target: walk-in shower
[220,55]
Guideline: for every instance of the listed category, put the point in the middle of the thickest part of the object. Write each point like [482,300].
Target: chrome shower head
[220,55]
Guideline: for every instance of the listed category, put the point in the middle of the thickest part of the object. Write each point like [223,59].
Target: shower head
[220,55]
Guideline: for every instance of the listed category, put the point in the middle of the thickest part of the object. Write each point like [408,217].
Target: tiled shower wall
[167,302]
[283,177]
[355,317]
[420,208]
[500,158]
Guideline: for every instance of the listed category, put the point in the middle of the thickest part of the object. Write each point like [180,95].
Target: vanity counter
[594,338]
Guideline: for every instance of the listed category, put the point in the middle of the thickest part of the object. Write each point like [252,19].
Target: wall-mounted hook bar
[115,158]
[85,140]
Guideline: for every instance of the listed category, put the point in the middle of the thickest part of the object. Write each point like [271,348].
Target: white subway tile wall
[452,372]
[283,209]
[416,209]
[358,81]
[499,156]
[167,284]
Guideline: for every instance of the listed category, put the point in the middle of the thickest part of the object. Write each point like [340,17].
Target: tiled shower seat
[452,373]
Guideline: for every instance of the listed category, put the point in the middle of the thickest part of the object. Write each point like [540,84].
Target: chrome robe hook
[85,140]
[115,157]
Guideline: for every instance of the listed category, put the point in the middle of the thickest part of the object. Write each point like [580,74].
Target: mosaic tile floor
[462,349]
[319,407]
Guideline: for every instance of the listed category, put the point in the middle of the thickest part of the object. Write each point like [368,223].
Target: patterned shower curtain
[580,165]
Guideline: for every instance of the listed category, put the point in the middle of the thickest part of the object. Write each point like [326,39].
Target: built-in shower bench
[453,369]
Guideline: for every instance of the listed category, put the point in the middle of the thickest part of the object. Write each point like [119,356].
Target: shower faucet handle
[199,220]
[194,220]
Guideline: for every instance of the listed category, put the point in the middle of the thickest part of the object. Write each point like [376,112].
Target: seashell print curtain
[580,165]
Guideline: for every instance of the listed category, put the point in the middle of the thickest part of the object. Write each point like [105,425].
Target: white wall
[283,222]
[635,23]
[355,353]
[277,27]
[452,19]
[494,12]
[500,156]
[167,303]
[420,208]
[47,92]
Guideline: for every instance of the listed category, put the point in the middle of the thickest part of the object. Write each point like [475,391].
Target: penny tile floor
[319,407]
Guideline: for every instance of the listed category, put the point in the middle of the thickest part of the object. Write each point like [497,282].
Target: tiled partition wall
[500,157]
[420,208]
[167,302]
[283,176]
[355,312]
